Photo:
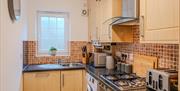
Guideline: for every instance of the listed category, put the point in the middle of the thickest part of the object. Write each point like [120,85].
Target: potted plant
[53,51]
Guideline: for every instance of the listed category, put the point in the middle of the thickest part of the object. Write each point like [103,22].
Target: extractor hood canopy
[122,21]
[130,14]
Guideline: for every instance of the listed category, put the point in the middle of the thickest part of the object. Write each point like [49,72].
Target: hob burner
[111,78]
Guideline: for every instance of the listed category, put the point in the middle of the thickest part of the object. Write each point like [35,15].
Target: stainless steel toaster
[100,59]
[162,79]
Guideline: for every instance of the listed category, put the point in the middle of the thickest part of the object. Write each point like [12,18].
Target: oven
[92,83]
[95,85]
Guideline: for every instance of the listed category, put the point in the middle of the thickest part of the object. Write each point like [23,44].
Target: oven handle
[89,87]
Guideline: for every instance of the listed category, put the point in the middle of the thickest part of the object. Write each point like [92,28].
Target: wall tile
[168,54]
[75,53]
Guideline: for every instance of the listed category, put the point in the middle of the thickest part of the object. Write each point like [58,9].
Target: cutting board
[142,63]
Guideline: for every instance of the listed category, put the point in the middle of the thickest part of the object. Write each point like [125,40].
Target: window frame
[64,15]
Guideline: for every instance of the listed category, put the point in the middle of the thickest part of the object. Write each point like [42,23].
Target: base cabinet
[42,81]
[84,81]
[72,80]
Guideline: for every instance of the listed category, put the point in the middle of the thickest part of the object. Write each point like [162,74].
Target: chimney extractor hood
[130,14]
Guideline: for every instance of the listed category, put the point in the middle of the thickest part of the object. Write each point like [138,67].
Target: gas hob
[125,81]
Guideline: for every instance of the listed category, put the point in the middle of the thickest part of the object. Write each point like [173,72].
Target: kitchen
[89,45]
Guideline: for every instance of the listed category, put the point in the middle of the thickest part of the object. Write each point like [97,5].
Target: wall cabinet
[110,9]
[42,81]
[72,80]
[159,21]
[100,13]
[92,22]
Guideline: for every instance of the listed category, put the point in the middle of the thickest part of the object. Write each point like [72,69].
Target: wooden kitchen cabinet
[122,33]
[42,81]
[92,22]
[100,11]
[110,8]
[72,80]
[159,21]
[84,81]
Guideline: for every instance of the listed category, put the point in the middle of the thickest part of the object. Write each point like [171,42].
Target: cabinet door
[162,14]
[84,81]
[100,13]
[99,19]
[42,81]
[161,21]
[92,28]
[106,8]
[71,80]
[95,19]
[110,9]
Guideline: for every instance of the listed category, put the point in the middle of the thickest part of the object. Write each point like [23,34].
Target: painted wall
[1,82]
[11,37]
[78,23]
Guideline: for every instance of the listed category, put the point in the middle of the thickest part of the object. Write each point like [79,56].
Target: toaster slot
[160,82]
[154,84]
[150,78]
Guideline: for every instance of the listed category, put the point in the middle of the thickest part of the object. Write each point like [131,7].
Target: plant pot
[53,53]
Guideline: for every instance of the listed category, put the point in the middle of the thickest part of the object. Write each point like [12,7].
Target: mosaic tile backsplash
[30,57]
[167,54]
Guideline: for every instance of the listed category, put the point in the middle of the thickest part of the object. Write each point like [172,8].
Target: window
[53,31]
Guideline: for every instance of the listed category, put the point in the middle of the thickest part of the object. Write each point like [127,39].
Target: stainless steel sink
[71,64]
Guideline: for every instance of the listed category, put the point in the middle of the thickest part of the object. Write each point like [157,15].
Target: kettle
[109,62]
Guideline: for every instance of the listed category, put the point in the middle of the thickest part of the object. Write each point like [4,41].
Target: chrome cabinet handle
[109,32]
[142,26]
[63,80]
[90,88]
[97,33]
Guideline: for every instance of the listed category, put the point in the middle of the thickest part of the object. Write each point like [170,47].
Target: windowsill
[47,55]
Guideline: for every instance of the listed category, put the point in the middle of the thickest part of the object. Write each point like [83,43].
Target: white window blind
[53,31]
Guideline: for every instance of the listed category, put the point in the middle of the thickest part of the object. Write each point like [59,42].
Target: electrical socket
[126,55]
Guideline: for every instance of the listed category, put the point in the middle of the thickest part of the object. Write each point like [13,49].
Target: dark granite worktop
[95,72]
[49,67]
